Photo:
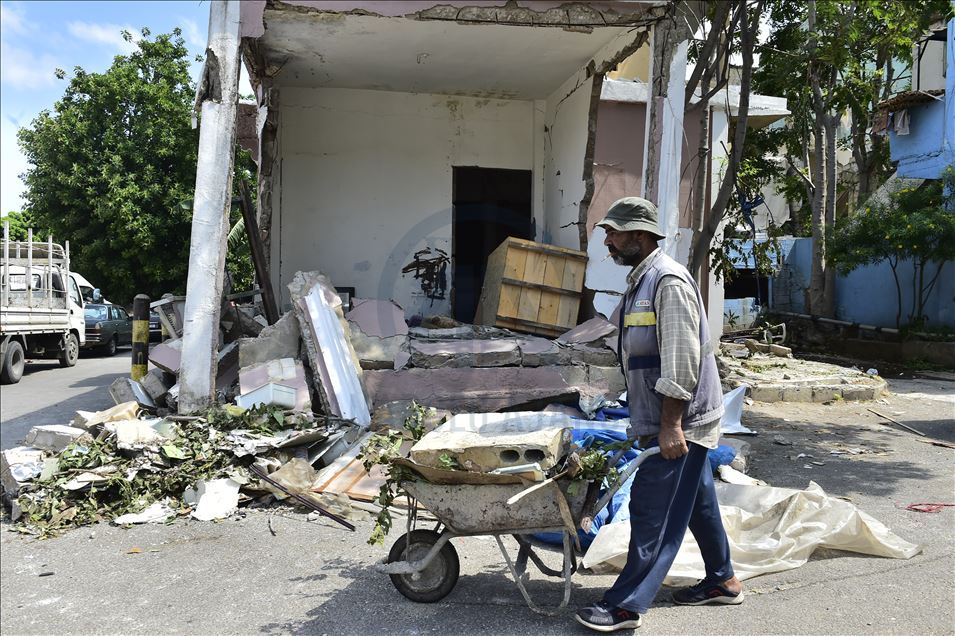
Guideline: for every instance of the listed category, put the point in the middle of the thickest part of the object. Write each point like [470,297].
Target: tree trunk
[828,308]
[699,248]
[701,178]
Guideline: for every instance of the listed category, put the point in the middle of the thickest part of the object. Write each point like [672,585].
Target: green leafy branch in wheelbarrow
[381,450]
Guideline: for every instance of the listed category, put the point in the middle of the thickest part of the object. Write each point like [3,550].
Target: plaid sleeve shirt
[678,337]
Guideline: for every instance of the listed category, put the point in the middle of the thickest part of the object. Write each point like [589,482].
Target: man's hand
[671,440]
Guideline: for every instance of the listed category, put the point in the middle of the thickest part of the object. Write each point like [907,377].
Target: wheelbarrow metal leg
[568,555]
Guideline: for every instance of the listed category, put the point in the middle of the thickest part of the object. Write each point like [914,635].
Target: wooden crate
[532,287]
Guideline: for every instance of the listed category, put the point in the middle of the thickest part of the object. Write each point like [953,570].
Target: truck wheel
[71,351]
[13,363]
[110,348]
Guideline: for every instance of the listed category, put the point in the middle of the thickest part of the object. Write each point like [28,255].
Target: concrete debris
[158,512]
[297,475]
[331,356]
[53,437]
[482,442]
[157,384]
[285,372]
[596,356]
[19,465]
[281,340]
[755,346]
[215,499]
[88,420]
[465,353]
[227,367]
[378,353]
[587,332]
[541,352]
[270,394]
[378,318]
[392,415]
[167,356]
[140,434]
[124,390]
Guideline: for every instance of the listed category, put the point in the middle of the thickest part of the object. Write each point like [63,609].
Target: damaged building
[400,143]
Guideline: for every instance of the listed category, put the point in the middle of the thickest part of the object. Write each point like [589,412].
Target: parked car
[155,327]
[107,327]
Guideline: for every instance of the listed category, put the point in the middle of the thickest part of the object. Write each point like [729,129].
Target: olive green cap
[632,213]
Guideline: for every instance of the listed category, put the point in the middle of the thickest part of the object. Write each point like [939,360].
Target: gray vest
[639,354]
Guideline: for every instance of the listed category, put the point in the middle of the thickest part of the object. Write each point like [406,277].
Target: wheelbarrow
[423,564]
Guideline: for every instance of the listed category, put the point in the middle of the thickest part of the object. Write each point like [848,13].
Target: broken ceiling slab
[286,372]
[392,415]
[19,465]
[281,340]
[589,331]
[167,355]
[124,390]
[465,353]
[596,356]
[541,352]
[331,356]
[378,318]
[482,442]
[471,390]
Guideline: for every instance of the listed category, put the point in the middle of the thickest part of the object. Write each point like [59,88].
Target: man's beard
[629,257]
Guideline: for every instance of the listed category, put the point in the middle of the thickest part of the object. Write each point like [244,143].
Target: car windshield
[96,312]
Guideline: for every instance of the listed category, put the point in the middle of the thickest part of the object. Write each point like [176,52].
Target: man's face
[625,248]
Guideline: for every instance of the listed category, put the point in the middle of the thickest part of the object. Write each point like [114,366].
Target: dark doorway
[489,205]
[747,284]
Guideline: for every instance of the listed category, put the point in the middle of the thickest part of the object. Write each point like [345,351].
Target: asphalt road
[301,577]
[49,394]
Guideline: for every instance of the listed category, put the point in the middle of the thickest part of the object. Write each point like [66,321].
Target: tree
[111,164]
[833,59]
[20,222]
[733,27]
[910,224]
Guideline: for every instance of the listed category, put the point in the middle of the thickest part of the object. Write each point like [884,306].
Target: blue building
[922,126]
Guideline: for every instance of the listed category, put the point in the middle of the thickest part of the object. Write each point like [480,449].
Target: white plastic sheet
[733,413]
[770,530]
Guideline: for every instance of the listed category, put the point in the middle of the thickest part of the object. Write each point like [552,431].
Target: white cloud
[12,19]
[193,36]
[12,164]
[21,68]
[109,34]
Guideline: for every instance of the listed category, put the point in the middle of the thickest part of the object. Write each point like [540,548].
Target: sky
[38,37]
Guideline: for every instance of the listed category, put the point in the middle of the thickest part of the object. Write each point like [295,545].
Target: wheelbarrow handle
[624,476]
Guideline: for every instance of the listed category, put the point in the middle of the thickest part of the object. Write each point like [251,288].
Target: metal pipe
[29,279]
[833,321]
[49,272]
[6,263]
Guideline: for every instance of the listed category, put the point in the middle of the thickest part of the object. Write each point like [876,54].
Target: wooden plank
[529,308]
[543,288]
[570,306]
[547,249]
[515,260]
[489,301]
[529,326]
[550,307]
[574,276]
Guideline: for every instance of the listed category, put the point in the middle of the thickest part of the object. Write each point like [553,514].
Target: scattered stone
[781,351]
[782,441]
[377,353]
[755,346]
[541,352]
[52,437]
[596,356]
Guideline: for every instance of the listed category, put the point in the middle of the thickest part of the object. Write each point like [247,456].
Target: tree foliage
[911,224]
[111,163]
[22,221]
[835,61]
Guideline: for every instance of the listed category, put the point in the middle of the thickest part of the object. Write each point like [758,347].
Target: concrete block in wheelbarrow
[483,442]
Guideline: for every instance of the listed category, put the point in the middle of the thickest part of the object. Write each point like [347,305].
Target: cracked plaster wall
[366,181]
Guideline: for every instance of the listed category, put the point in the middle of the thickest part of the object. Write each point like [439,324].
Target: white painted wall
[367,181]
[565,144]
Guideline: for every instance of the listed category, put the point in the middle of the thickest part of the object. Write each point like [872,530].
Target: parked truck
[41,308]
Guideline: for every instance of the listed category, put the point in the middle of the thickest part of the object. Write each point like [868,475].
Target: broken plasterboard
[332,358]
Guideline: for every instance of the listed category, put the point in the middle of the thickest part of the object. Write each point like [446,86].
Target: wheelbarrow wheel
[437,580]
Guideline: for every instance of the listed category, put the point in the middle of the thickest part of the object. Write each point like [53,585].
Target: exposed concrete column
[218,99]
[665,131]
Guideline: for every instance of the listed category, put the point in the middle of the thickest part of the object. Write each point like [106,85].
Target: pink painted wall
[618,158]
